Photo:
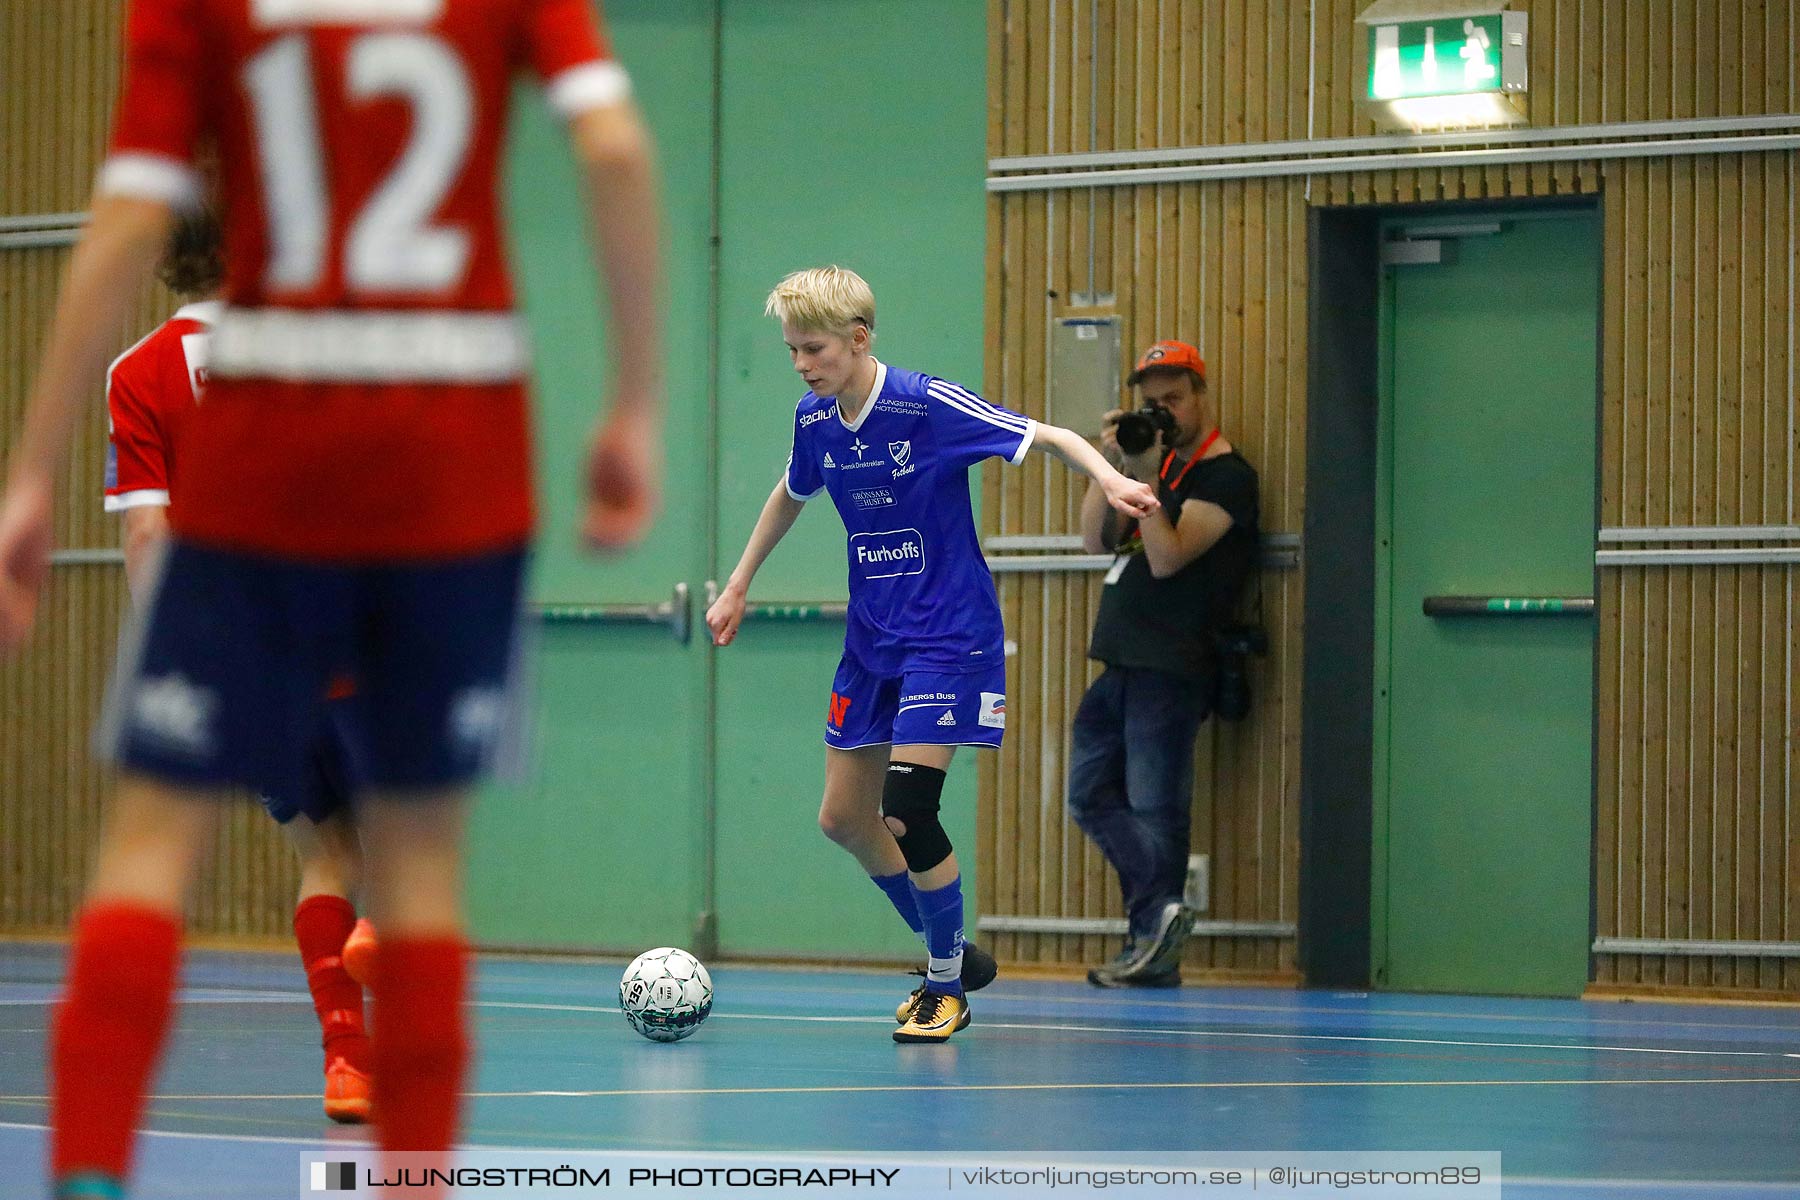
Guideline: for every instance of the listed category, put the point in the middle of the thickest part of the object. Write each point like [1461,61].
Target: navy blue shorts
[333,776]
[223,680]
[916,708]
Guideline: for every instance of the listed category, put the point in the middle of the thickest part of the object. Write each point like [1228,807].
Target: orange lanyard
[1162,475]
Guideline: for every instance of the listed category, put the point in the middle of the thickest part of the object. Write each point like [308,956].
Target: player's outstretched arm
[122,242]
[779,512]
[1127,495]
[624,469]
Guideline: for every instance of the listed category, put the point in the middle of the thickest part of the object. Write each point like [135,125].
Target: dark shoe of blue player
[934,1018]
[978,970]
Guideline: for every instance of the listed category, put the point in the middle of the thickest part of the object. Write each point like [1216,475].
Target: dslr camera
[1138,430]
[1233,645]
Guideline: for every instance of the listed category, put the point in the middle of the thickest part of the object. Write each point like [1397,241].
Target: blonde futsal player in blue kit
[923,670]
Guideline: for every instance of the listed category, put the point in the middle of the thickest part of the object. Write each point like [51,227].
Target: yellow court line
[996,1087]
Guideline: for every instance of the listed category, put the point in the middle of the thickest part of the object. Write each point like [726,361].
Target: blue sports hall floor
[1583,1098]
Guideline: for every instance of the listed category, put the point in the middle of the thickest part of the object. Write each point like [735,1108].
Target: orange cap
[1168,354]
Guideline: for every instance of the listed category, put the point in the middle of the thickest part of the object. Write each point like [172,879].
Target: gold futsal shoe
[934,1018]
[978,970]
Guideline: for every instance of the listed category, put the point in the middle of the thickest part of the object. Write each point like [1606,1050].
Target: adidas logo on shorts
[949,718]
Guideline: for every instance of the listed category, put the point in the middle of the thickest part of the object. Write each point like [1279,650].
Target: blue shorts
[916,708]
[333,775]
[223,679]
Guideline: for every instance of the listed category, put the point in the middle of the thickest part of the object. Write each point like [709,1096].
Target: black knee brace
[910,796]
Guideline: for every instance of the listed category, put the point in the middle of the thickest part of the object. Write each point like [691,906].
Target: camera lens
[1136,432]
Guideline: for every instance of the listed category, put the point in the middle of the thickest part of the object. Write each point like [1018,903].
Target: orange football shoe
[348,1093]
[359,953]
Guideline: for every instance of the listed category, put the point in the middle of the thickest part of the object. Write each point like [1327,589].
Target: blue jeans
[1131,780]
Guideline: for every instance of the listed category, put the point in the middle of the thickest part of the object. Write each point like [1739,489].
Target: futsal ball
[665,993]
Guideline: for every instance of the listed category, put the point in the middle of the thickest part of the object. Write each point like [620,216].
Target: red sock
[420,1048]
[108,1032]
[321,923]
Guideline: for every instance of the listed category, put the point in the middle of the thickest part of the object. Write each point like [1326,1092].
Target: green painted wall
[865,147]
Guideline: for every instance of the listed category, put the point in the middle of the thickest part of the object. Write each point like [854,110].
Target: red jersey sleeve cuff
[591,85]
[150,177]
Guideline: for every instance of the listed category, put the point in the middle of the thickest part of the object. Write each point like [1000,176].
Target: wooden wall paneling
[1105,137]
[1230,64]
[1548,58]
[1741,892]
[1624,289]
[1688,783]
[1241,791]
[1781,740]
[1781,90]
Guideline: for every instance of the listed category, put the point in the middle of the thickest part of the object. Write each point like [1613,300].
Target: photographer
[1169,593]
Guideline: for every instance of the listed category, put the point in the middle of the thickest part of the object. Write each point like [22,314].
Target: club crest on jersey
[901,453]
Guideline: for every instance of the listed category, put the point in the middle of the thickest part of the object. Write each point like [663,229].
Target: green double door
[1484,729]
[672,790]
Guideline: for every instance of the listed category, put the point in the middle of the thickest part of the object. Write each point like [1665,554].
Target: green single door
[673,791]
[873,160]
[602,845]
[1484,729]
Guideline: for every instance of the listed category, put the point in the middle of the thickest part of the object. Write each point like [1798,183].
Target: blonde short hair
[823,300]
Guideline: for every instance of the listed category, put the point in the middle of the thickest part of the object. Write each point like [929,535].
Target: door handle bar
[676,613]
[796,610]
[1509,606]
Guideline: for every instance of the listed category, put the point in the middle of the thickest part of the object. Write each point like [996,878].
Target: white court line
[1589,1048]
[334,1144]
[1147,1002]
[884,1088]
[1197,1033]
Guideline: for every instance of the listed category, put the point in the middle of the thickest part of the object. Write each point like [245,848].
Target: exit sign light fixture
[1441,64]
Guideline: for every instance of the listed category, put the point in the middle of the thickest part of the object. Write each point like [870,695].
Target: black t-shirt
[1165,624]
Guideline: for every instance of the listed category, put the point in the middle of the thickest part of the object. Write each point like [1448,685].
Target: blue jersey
[920,593]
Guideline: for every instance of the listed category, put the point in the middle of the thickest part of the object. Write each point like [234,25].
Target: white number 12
[391,246]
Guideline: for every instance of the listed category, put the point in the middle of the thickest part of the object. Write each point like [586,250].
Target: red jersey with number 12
[366,394]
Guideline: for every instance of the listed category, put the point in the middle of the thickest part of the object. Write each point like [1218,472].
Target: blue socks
[900,891]
[941,912]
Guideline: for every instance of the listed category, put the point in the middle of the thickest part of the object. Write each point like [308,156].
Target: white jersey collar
[869,404]
[204,311]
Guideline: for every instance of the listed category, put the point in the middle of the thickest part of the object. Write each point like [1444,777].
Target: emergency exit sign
[1451,56]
